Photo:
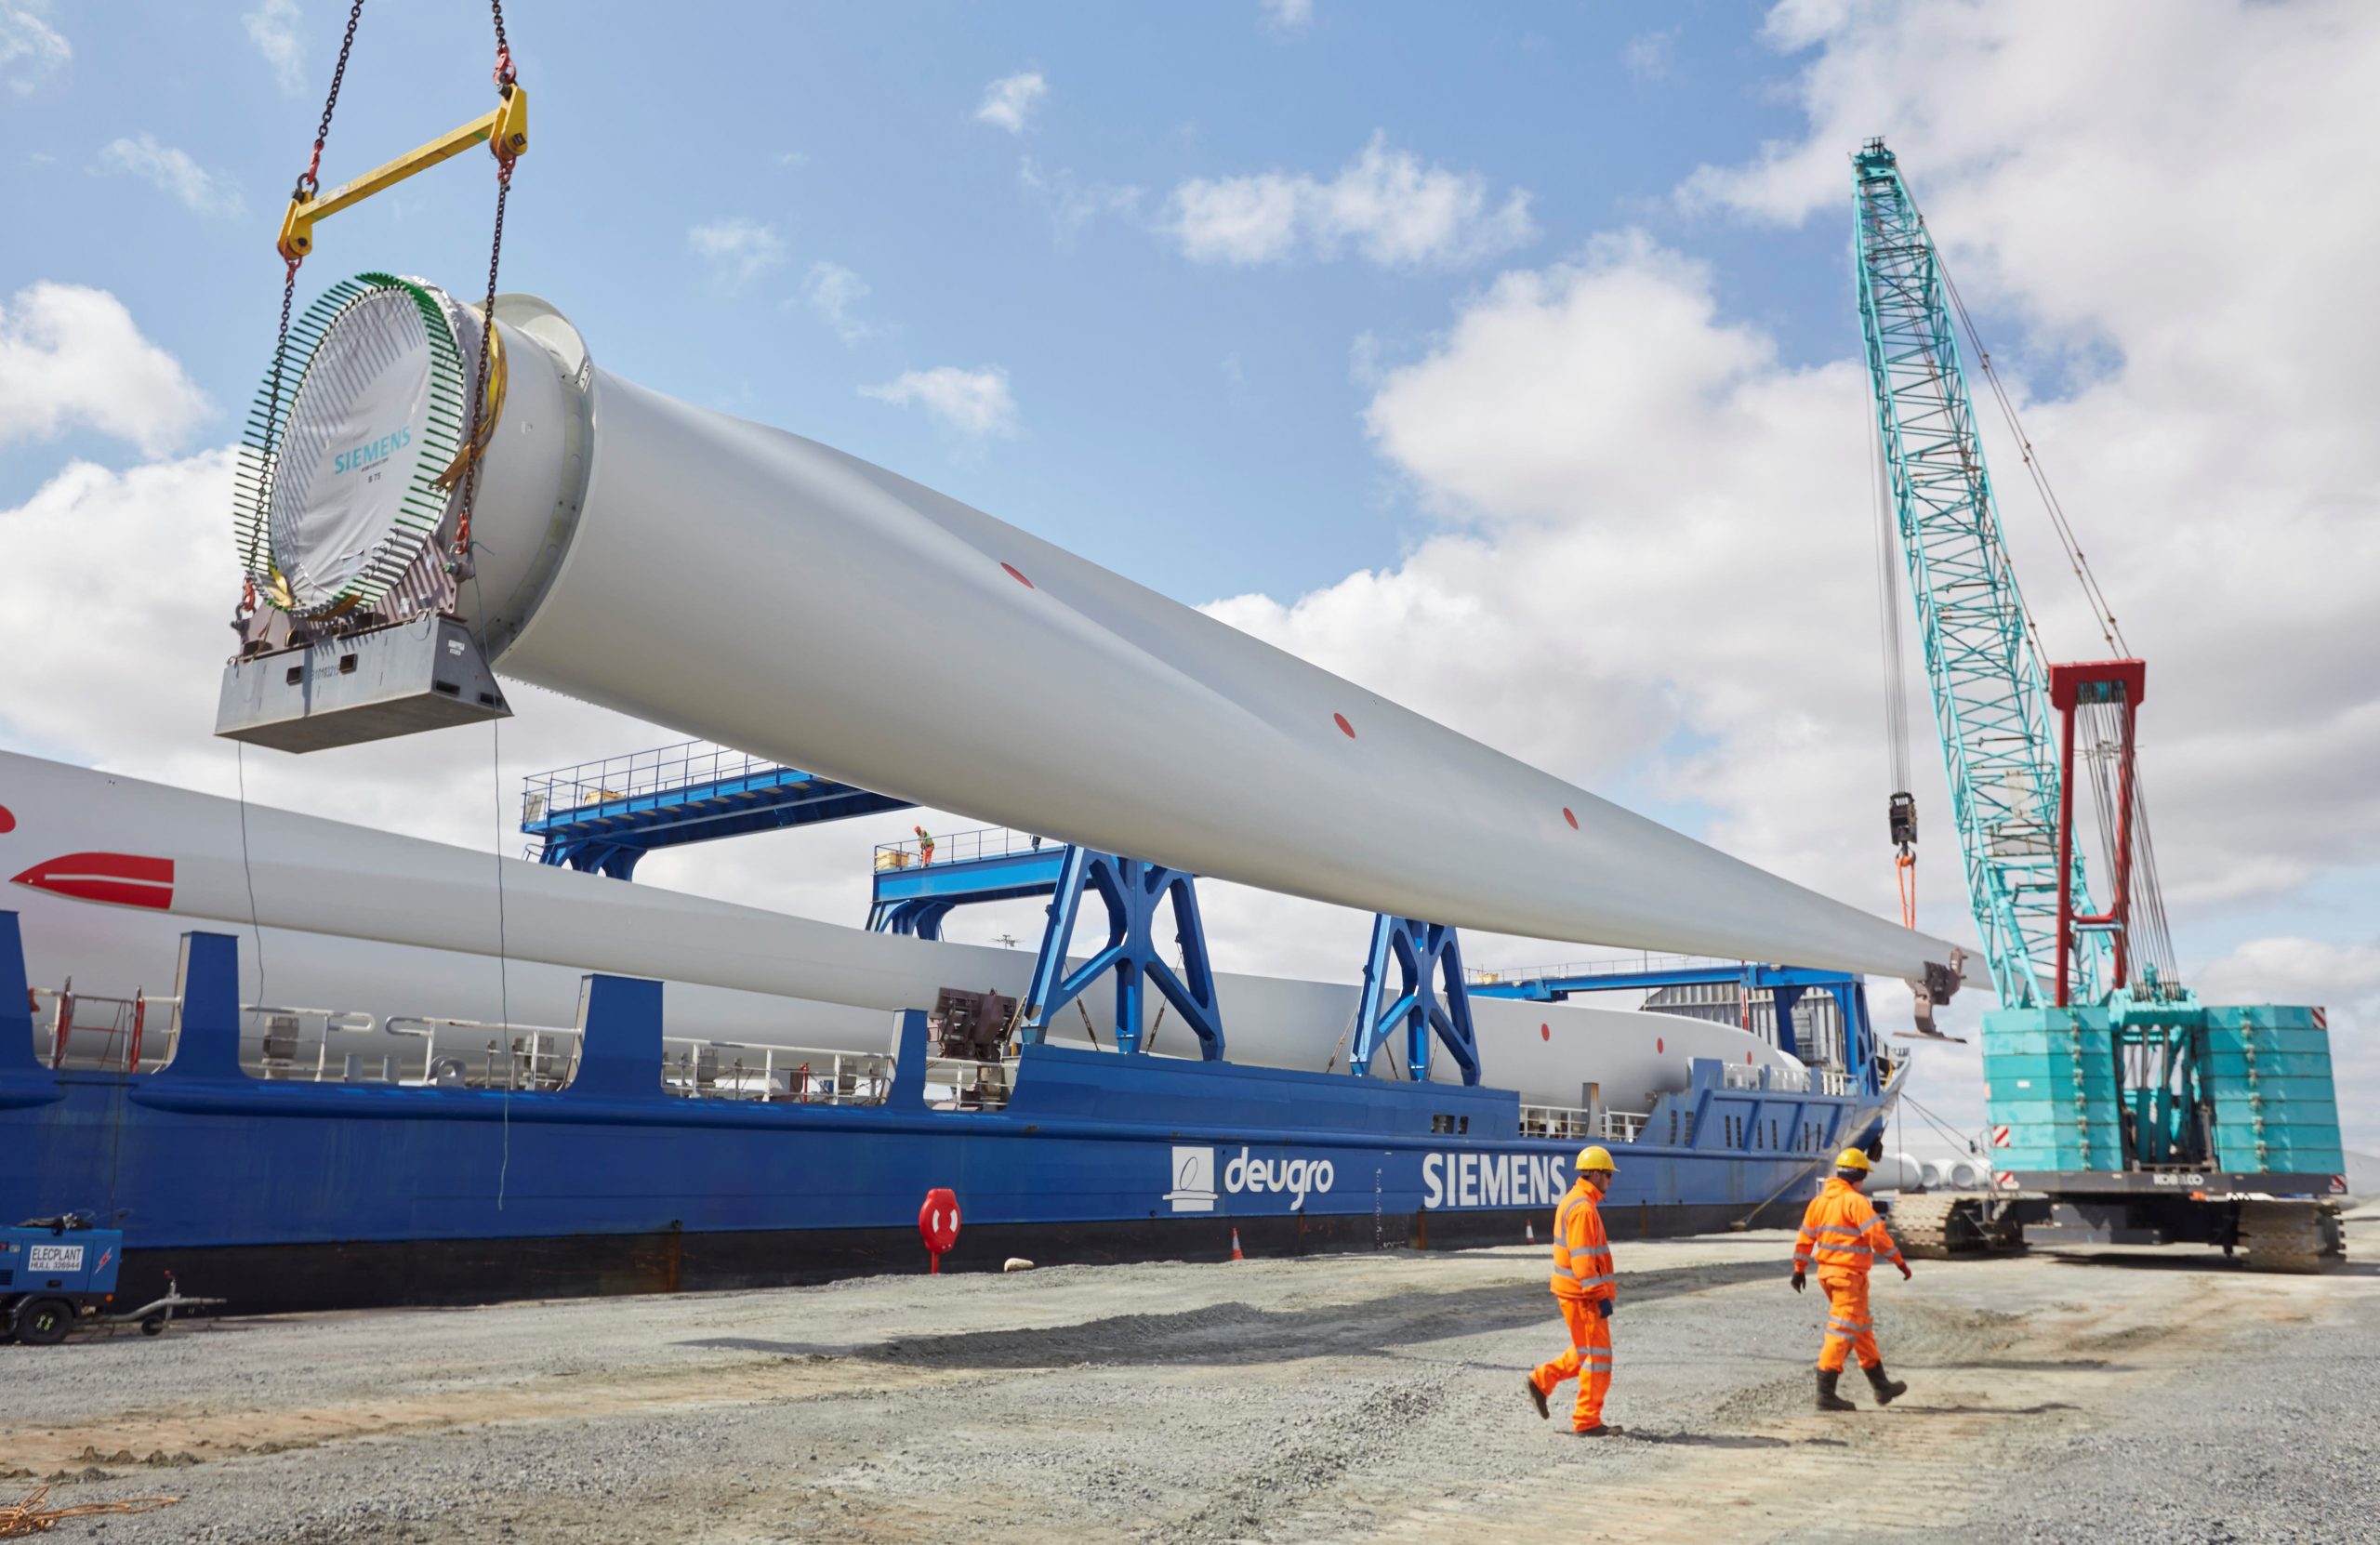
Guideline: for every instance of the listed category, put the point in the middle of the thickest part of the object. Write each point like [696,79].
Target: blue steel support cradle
[1432,997]
[1786,985]
[1134,891]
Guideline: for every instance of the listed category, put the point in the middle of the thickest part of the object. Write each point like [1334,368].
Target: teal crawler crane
[2121,1109]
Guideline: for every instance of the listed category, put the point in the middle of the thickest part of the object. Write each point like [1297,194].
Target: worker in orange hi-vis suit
[1584,1288]
[1843,1236]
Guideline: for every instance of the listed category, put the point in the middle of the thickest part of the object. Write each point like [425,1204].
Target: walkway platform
[604,816]
[913,895]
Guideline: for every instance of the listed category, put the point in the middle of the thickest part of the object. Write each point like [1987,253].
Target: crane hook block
[1903,816]
[504,131]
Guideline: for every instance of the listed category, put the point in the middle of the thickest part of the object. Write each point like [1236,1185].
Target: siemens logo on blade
[1493,1180]
[370,454]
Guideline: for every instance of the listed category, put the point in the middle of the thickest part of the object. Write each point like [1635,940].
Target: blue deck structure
[917,884]
[1786,985]
[600,817]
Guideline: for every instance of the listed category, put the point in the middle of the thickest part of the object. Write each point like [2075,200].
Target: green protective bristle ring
[421,505]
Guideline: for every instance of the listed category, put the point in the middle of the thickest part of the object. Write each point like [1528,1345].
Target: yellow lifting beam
[504,131]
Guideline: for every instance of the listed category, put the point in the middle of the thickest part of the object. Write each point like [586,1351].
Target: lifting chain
[459,564]
[309,182]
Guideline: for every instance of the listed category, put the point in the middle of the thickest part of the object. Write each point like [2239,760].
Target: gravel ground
[2168,1398]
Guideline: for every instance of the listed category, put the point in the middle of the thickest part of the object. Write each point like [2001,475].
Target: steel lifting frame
[1134,889]
[1431,996]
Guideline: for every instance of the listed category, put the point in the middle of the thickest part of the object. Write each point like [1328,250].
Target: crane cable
[309,182]
[1895,682]
[487,389]
[2101,612]
[487,398]
[2150,936]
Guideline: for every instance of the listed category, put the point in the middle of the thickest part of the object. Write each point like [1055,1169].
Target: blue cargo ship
[286,1196]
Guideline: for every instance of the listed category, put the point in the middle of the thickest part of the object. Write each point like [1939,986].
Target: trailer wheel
[44,1322]
[153,1325]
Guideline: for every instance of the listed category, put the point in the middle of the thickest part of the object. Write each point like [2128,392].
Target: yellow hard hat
[1596,1157]
[1852,1158]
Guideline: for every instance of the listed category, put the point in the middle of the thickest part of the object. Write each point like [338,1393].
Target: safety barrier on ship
[284,1043]
[1572,1122]
[795,1075]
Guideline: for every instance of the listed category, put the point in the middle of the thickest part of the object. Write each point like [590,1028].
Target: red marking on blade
[1545,1032]
[7,820]
[1344,728]
[1018,574]
[1568,816]
[119,880]
[1660,1043]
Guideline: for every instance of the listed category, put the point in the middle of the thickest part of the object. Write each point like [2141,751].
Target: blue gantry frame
[915,899]
[1786,982]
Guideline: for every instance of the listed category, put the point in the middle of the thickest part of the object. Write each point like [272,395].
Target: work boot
[1887,1390]
[1536,1397]
[1828,1399]
[1600,1430]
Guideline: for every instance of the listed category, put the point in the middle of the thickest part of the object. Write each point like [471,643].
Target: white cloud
[138,695]
[1011,101]
[832,290]
[976,404]
[272,27]
[1384,204]
[1655,570]
[739,249]
[2342,979]
[70,355]
[1648,54]
[1072,204]
[198,190]
[30,47]
[1289,14]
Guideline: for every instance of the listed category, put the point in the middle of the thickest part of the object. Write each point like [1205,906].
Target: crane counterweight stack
[2125,1109]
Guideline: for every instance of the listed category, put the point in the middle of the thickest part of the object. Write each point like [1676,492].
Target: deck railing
[684,765]
[960,846]
[111,1034]
[796,1075]
[964,1084]
[1574,1123]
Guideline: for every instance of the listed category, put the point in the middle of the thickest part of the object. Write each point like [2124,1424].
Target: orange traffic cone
[1532,1232]
[1234,1245]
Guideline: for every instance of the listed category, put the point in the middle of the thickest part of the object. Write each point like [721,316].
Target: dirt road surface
[2123,1395]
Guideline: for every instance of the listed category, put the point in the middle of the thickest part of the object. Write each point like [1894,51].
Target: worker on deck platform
[1843,1236]
[925,846]
[1585,1288]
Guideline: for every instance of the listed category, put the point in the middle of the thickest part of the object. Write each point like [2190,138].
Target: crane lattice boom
[1991,696]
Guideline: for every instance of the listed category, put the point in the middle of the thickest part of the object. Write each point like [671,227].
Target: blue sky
[1196,425]
[1502,359]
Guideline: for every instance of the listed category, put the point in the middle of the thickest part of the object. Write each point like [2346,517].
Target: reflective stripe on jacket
[1843,1232]
[1581,1253]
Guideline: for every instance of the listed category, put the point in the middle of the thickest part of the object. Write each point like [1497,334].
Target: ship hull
[302,1195]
